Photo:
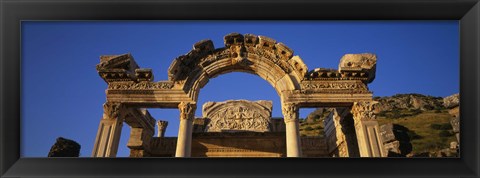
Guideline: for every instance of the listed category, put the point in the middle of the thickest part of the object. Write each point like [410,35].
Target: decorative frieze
[238,115]
[140,85]
[144,75]
[335,85]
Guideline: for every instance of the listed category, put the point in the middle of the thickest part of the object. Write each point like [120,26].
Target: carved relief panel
[238,115]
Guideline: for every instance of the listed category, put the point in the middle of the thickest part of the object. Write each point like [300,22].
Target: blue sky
[62,94]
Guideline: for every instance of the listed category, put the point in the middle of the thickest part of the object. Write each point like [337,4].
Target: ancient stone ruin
[64,148]
[395,140]
[239,128]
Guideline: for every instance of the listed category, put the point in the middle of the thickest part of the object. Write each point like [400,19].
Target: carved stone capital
[162,124]
[290,112]
[187,110]
[363,111]
[111,110]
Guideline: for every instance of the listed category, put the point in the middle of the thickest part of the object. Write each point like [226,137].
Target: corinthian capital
[364,110]
[162,124]
[111,110]
[290,112]
[187,110]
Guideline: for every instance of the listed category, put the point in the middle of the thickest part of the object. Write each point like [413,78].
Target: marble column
[109,131]
[370,142]
[290,114]
[162,126]
[184,141]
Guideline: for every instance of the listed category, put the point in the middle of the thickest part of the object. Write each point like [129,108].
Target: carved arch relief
[238,115]
[258,55]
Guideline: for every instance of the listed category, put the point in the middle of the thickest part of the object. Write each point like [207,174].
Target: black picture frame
[15,11]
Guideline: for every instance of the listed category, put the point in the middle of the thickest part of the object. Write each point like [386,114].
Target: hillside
[427,119]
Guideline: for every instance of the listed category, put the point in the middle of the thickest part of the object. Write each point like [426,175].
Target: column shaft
[184,141]
[293,139]
[367,130]
[109,131]
[290,113]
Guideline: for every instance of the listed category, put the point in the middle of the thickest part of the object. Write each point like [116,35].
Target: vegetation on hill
[431,130]
[426,118]
[311,129]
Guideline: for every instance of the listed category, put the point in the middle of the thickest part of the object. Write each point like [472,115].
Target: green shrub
[413,136]
[432,145]
[416,112]
[396,114]
[443,126]
[382,113]
[444,133]
[435,126]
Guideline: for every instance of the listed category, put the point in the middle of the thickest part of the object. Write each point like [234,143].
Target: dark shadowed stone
[396,139]
[64,148]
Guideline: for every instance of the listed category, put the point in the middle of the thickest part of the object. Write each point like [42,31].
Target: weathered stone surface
[356,63]
[238,115]
[64,148]
[396,141]
[120,68]
[386,131]
[451,101]
[455,121]
[132,87]
[162,127]
[455,112]
[340,134]
[239,144]
[393,149]
[122,61]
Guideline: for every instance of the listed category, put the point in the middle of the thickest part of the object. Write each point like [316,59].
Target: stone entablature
[260,55]
[360,67]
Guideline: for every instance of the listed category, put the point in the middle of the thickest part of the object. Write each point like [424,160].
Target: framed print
[358,103]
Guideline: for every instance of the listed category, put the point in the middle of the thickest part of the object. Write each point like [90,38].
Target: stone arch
[259,55]
[132,87]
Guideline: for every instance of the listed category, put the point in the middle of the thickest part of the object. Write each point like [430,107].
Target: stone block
[64,148]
